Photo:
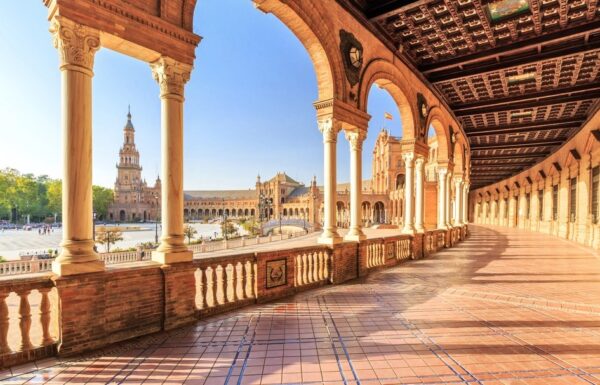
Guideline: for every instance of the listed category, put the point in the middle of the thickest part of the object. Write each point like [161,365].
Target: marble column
[448,197]
[442,173]
[409,227]
[329,129]
[419,194]
[171,76]
[457,201]
[465,204]
[355,139]
[77,45]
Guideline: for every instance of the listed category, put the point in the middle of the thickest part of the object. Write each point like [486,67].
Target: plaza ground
[496,309]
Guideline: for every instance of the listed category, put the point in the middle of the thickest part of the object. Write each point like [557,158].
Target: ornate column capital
[171,76]
[442,172]
[420,162]
[329,128]
[76,44]
[356,139]
[409,158]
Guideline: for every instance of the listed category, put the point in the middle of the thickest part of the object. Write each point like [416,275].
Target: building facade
[278,197]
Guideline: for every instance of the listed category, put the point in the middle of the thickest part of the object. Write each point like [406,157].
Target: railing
[44,265]
[28,319]
[312,266]
[222,282]
[430,242]
[29,305]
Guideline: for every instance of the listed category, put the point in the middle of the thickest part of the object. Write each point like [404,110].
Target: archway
[379,213]
[122,216]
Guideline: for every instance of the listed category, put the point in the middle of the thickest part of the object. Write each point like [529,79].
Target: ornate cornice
[171,76]
[76,44]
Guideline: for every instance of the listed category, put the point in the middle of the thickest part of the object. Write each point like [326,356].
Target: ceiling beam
[518,105]
[375,12]
[536,155]
[506,146]
[534,56]
[496,54]
[499,166]
[554,92]
[526,127]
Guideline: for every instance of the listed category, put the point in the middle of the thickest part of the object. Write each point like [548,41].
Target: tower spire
[129,111]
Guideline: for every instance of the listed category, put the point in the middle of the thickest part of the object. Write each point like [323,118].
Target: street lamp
[224,225]
[280,232]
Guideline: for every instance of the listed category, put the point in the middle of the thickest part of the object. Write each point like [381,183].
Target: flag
[388,116]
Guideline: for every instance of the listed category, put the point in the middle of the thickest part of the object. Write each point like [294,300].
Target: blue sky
[248,104]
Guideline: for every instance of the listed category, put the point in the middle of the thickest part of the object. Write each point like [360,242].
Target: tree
[54,193]
[103,197]
[189,231]
[108,237]
[228,229]
[251,226]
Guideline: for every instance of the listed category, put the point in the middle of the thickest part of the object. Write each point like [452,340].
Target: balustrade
[312,266]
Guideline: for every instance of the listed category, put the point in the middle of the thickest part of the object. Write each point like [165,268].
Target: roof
[219,194]
[299,191]
[283,177]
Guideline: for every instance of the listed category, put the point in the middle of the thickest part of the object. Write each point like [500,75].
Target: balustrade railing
[441,240]
[221,282]
[28,319]
[312,266]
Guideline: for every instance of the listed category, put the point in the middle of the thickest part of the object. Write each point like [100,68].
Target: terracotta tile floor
[504,307]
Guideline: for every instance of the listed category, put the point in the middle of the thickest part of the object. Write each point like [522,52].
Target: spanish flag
[388,116]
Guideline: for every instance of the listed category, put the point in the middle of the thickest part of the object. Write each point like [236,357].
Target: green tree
[108,237]
[103,197]
[189,232]
[54,195]
[251,226]
[228,229]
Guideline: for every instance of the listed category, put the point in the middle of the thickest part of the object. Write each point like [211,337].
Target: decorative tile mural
[276,273]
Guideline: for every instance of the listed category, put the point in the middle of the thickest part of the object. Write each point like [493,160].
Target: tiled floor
[504,307]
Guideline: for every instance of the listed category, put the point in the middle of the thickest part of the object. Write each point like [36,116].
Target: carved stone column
[409,226]
[458,201]
[76,46]
[171,77]
[419,195]
[465,204]
[355,139]
[448,197]
[330,129]
[442,173]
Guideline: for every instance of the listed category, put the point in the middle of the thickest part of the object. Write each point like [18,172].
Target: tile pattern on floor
[504,307]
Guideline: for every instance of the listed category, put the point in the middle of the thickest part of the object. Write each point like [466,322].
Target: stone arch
[306,21]
[387,76]
[437,120]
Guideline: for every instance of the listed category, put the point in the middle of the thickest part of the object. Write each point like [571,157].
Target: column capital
[355,138]
[408,157]
[171,75]
[330,128]
[420,161]
[76,44]
[442,172]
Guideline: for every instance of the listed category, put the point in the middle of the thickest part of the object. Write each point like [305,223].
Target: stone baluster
[204,288]
[214,285]
[304,269]
[25,320]
[4,324]
[309,268]
[234,282]
[326,265]
[252,279]
[46,316]
[244,280]
[221,285]
[299,270]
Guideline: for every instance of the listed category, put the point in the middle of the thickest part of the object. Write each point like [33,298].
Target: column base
[329,240]
[409,230]
[168,258]
[355,237]
[419,230]
[74,268]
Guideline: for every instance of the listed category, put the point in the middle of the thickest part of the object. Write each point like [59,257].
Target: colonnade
[77,45]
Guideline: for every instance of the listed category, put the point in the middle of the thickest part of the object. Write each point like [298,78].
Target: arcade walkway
[503,307]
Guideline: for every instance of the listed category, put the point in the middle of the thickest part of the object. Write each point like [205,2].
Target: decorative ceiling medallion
[352,54]
[503,9]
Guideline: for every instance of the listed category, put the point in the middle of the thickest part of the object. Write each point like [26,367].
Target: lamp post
[224,225]
[280,232]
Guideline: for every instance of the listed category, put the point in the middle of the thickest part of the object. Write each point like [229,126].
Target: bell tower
[129,172]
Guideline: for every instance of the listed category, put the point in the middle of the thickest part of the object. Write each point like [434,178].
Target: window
[572,199]
[527,204]
[541,204]
[555,202]
[595,187]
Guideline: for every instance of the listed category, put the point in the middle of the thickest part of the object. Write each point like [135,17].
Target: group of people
[45,230]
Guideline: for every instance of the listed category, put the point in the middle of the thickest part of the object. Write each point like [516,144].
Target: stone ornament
[276,273]
[75,42]
[408,157]
[170,75]
[356,139]
[352,54]
[328,129]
